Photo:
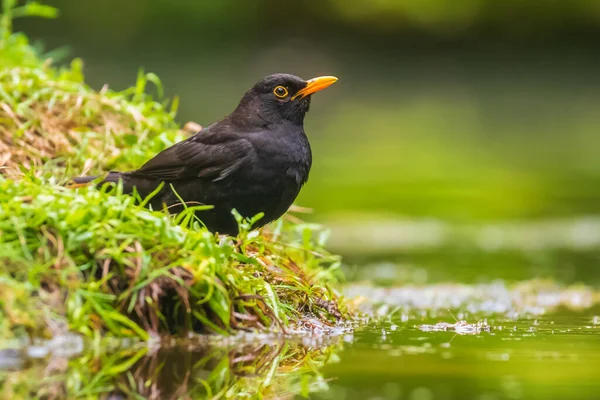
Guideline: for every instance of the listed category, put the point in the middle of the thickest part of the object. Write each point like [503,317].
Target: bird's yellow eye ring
[281,92]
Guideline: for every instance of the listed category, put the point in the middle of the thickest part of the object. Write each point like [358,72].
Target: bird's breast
[285,152]
[283,169]
[272,177]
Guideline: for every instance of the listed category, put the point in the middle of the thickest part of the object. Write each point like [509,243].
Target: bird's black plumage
[255,160]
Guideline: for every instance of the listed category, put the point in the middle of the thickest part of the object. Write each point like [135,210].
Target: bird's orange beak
[314,85]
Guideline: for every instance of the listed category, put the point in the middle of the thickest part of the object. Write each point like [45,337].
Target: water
[530,340]
[544,358]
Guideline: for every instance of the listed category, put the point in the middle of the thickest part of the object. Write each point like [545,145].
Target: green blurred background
[466,110]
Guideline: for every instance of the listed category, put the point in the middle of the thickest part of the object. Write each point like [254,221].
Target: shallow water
[454,320]
[533,340]
[555,356]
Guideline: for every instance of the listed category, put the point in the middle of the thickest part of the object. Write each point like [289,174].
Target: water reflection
[280,368]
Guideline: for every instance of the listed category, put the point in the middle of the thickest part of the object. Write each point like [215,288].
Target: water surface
[532,340]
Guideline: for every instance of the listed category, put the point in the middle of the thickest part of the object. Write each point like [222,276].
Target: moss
[95,262]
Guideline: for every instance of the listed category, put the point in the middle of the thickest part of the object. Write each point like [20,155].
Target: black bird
[254,161]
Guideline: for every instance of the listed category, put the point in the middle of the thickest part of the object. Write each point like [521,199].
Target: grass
[95,262]
[53,121]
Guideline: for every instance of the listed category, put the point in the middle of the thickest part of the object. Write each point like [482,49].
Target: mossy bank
[97,262]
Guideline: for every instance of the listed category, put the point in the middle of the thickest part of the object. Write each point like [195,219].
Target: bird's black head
[280,97]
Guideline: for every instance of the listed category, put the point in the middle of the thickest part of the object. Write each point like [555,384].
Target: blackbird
[255,160]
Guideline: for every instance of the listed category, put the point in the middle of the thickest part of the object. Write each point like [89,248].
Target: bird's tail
[82,181]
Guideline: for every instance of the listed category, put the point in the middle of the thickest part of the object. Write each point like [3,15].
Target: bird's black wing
[203,155]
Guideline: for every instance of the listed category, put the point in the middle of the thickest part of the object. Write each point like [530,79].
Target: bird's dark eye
[280,92]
